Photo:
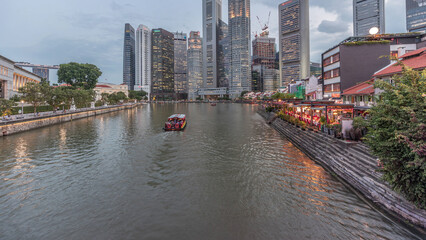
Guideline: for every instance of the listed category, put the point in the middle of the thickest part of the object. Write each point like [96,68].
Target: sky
[91,31]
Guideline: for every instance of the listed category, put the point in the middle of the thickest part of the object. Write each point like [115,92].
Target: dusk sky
[55,32]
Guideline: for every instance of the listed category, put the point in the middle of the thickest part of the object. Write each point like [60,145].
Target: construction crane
[265,28]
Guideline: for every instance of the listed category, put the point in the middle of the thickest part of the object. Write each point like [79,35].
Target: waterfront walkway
[353,163]
[31,116]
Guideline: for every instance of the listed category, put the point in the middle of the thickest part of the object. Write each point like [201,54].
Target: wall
[9,128]
[359,63]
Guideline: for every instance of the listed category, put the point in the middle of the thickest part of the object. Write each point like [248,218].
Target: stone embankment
[12,127]
[353,164]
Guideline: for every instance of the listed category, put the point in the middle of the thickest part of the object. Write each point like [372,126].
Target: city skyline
[94,35]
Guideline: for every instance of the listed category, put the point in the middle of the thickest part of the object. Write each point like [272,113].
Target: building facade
[129,56]
[109,88]
[162,68]
[265,79]
[264,51]
[143,59]
[294,48]
[212,17]
[195,64]
[181,65]
[240,50]
[13,77]
[223,55]
[368,14]
[416,15]
[349,63]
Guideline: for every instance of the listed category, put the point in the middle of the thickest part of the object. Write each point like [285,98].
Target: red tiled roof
[311,93]
[103,86]
[364,88]
[415,60]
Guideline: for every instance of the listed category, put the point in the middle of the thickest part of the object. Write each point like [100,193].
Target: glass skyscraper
[162,85]
[181,64]
[212,17]
[195,64]
[368,14]
[129,56]
[416,15]
[240,56]
[143,59]
[294,55]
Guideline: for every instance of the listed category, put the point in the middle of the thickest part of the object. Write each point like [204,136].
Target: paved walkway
[29,116]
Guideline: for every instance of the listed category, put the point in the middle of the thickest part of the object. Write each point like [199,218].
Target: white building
[313,89]
[143,59]
[13,77]
[110,89]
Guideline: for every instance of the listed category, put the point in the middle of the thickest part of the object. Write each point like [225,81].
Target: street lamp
[22,108]
[374,30]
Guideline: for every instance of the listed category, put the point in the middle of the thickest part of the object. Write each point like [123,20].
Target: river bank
[353,164]
[21,125]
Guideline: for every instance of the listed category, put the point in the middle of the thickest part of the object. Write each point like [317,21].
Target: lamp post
[22,108]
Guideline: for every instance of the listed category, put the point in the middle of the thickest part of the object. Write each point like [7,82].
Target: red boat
[176,122]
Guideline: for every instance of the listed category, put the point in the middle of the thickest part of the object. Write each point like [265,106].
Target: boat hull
[176,129]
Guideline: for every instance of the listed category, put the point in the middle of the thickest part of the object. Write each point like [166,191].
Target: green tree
[6,106]
[55,97]
[282,96]
[79,75]
[33,93]
[138,95]
[397,133]
[243,93]
[15,98]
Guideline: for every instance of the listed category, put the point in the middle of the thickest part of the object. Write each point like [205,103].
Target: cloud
[333,27]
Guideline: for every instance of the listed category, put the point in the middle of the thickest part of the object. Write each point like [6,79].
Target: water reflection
[227,176]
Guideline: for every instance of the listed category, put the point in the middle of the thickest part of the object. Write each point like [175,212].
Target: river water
[227,176]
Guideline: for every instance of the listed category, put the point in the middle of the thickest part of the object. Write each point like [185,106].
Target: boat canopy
[177,116]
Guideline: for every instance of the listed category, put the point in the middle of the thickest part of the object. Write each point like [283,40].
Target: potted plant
[337,129]
[303,125]
[322,121]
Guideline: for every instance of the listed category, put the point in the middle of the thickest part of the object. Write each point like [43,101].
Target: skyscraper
[264,51]
[212,17]
[181,64]
[162,85]
[293,41]
[223,55]
[195,64]
[143,59]
[368,14]
[129,56]
[416,15]
[239,34]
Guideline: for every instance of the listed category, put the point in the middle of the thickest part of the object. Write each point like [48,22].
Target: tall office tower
[368,14]
[162,85]
[195,64]
[223,55]
[212,15]
[264,51]
[129,56]
[239,33]
[293,41]
[416,15]
[181,65]
[42,72]
[143,59]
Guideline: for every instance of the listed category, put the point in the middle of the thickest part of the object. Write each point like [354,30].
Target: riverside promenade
[352,163]
[21,123]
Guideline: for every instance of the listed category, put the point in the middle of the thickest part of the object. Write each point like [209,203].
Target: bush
[397,134]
